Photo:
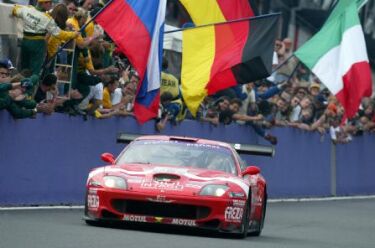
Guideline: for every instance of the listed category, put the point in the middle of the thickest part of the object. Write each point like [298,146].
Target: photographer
[171,110]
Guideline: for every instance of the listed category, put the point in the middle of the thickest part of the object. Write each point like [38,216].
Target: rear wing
[245,149]
[259,150]
[126,137]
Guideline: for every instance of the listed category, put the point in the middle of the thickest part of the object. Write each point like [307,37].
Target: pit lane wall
[46,160]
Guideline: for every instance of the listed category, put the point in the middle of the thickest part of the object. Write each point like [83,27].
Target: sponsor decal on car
[161,220]
[183,222]
[160,198]
[93,201]
[238,203]
[194,186]
[158,219]
[134,218]
[233,214]
[174,186]
[134,179]
[93,191]
[169,170]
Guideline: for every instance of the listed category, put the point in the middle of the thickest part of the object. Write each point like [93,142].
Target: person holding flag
[337,56]
[137,28]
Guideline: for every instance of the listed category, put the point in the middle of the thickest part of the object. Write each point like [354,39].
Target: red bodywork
[171,195]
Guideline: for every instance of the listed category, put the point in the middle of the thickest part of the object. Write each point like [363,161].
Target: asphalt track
[344,223]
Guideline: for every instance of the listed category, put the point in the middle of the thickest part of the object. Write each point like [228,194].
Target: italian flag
[337,56]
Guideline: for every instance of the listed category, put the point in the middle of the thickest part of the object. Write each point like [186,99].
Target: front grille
[160,209]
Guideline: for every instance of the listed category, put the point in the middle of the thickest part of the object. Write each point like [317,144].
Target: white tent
[172,41]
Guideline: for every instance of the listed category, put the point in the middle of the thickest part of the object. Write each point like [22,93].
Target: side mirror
[251,170]
[108,157]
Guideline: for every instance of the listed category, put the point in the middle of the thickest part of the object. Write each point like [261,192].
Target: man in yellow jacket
[36,25]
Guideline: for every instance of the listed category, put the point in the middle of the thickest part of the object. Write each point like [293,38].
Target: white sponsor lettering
[169,170]
[162,185]
[194,186]
[233,214]
[134,180]
[183,222]
[239,203]
[92,202]
[93,191]
[135,218]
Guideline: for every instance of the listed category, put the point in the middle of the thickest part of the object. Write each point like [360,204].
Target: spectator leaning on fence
[12,95]
[85,77]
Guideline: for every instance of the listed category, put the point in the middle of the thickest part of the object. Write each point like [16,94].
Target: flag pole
[219,23]
[283,63]
[294,71]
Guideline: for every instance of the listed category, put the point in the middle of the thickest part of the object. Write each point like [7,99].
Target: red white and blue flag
[137,28]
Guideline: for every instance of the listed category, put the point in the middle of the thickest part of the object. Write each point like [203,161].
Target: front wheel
[259,227]
[245,221]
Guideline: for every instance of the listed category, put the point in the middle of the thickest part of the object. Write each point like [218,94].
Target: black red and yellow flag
[218,56]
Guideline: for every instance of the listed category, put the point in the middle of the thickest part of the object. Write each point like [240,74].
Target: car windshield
[179,153]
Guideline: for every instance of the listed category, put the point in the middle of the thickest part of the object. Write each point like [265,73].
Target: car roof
[184,139]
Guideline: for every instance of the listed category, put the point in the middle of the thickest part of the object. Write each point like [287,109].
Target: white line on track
[337,198]
[41,208]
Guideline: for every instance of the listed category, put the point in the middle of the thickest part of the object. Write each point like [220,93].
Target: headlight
[214,190]
[115,182]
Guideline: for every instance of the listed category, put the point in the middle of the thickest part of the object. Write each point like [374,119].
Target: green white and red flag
[337,55]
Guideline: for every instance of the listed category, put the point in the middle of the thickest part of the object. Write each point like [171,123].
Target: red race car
[180,181]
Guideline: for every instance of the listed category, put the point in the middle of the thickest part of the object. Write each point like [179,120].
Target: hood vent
[162,177]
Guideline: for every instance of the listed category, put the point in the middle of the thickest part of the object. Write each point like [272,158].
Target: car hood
[171,179]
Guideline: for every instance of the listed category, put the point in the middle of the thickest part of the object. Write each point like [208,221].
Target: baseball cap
[314,85]
[7,63]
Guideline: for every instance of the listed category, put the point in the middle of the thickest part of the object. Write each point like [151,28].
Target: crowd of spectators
[103,84]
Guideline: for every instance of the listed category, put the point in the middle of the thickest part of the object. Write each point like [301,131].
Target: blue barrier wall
[46,160]
[356,166]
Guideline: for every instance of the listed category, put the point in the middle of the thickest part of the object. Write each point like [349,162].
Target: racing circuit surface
[344,223]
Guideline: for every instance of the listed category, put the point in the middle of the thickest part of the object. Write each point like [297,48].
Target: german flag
[214,11]
[218,56]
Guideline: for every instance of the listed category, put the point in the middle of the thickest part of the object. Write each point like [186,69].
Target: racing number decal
[92,201]
[233,214]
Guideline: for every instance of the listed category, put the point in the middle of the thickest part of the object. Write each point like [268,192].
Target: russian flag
[137,28]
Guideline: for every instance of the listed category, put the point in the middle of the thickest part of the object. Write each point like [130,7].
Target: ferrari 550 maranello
[180,181]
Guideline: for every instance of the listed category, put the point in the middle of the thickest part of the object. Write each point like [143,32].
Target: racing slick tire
[245,221]
[259,227]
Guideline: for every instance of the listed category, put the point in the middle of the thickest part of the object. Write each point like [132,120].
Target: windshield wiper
[140,162]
